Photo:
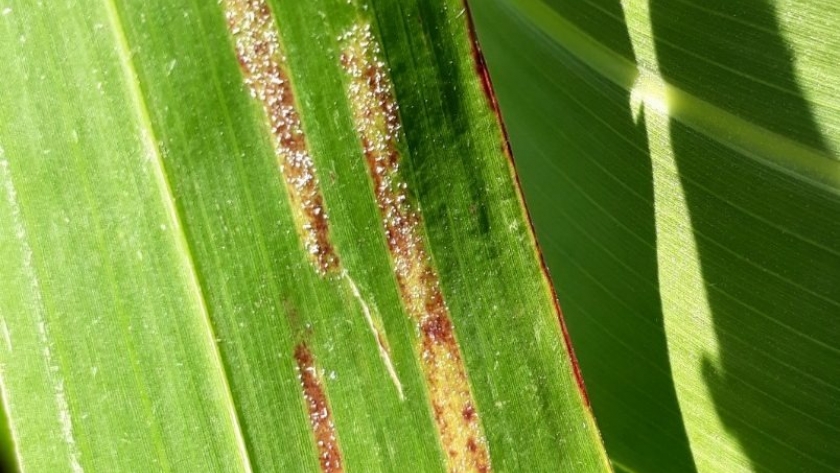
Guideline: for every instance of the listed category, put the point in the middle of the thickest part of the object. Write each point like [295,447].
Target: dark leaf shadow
[586,173]
[7,454]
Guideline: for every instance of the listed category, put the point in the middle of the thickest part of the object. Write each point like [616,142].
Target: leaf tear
[381,341]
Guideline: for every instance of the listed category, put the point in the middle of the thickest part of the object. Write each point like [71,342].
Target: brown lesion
[320,415]
[480,65]
[377,123]
[260,56]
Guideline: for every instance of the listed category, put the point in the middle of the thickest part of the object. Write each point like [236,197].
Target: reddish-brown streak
[437,329]
[260,57]
[320,415]
[490,94]
[377,122]
[468,413]
[480,64]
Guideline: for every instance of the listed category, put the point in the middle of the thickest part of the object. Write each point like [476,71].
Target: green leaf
[279,236]
[680,160]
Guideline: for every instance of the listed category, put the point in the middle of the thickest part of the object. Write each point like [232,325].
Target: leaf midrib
[754,141]
[149,143]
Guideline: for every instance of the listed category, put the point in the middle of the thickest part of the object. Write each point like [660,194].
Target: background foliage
[679,160]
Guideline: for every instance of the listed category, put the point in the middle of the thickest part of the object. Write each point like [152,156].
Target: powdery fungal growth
[320,417]
[258,48]
[378,126]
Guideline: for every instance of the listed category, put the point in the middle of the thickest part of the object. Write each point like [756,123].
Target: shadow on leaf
[767,241]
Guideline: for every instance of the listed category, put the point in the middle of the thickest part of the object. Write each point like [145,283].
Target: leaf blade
[261,293]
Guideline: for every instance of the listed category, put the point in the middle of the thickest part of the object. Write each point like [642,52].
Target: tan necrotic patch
[263,65]
[377,122]
[320,416]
